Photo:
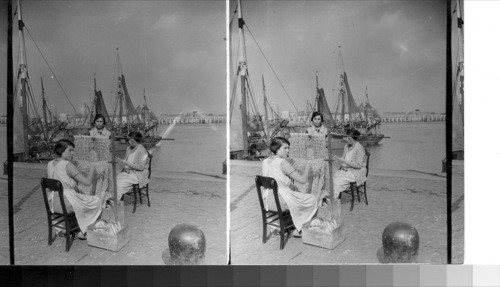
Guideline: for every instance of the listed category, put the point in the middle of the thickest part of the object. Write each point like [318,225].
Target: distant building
[413,116]
[191,118]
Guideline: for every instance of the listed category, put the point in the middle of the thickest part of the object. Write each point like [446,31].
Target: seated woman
[353,164]
[99,129]
[87,208]
[302,206]
[316,121]
[134,165]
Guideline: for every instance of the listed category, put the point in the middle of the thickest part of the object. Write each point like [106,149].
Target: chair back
[56,186]
[268,183]
[367,162]
[150,157]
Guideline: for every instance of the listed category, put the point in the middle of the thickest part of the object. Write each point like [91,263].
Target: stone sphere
[400,243]
[187,245]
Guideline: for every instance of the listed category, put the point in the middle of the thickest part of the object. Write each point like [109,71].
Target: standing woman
[87,208]
[99,129]
[317,126]
[302,206]
[353,164]
[134,165]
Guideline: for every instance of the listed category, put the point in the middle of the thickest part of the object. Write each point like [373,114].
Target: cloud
[167,21]
[190,60]
[390,20]
[403,47]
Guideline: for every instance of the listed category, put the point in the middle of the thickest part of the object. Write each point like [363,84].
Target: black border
[449,131]
[10,129]
[158,275]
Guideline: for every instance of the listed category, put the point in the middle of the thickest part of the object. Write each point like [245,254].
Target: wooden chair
[64,220]
[279,218]
[354,187]
[136,190]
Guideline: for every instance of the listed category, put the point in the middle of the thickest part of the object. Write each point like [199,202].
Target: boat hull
[364,140]
[369,140]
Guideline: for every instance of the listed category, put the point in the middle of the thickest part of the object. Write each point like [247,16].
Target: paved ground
[413,197]
[457,212]
[4,222]
[175,198]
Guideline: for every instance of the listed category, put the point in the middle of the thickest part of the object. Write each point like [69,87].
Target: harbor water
[202,148]
[195,148]
[412,146]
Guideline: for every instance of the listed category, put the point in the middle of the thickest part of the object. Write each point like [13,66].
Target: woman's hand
[308,170]
[326,200]
[120,160]
[290,160]
[336,158]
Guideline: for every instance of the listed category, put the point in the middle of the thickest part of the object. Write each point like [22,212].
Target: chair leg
[366,196]
[282,234]
[140,194]
[135,188]
[50,231]
[264,228]
[352,197]
[67,239]
[357,190]
[147,195]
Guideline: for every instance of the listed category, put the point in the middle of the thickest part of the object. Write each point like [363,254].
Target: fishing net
[317,184]
[307,149]
[103,186]
[95,151]
[308,146]
[92,149]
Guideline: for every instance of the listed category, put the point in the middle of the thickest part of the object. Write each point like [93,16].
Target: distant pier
[193,118]
[412,117]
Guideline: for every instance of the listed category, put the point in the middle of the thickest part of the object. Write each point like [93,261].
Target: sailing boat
[351,116]
[98,106]
[248,138]
[32,136]
[458,89]
[126,118]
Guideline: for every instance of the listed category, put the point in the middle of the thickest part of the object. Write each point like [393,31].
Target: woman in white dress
[316,121]
[99,129]
[302,206]
[353,164]
[87,208]
[134,165]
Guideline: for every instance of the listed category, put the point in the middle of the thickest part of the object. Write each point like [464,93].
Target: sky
[173,49]
[397,49]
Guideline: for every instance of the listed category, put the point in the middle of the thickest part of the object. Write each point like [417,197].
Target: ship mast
[317,93]
[243,76]
[343,92]
[266,121]
[460,25]
[366,110]
[119,87]
[44,106]
[44,103]
[23,76]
